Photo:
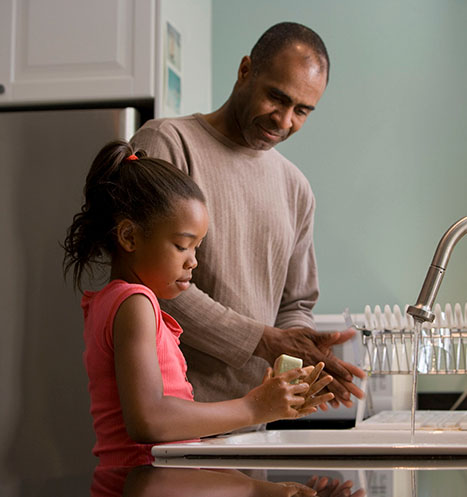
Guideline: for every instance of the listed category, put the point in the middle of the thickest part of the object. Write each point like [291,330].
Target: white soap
[285,362]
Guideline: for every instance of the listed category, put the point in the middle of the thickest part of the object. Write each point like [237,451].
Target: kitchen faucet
[421,311]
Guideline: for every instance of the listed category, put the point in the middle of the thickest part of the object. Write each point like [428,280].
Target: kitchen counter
[364,442]
[262,478]
[339,463]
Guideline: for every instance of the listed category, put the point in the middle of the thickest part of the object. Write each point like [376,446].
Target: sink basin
[323,443]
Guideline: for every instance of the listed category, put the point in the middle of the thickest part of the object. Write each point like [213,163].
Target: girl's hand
[293,489]
[316,385]
[326,487]
[278,398]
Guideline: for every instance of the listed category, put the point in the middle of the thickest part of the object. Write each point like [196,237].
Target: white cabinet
[56,51]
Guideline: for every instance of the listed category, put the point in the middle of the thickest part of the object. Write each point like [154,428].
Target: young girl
[147,219]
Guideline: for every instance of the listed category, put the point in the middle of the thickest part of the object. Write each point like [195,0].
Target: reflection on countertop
[284,478]
[164,482]
[300,477]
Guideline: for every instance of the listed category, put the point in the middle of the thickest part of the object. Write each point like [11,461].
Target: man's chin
[261,144]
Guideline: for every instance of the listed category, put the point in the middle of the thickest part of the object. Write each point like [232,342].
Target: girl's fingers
[293,375]
[319,385]
[308,370]
[309,374]
[267,375]
[305,411]
[298,487]
[297,401]
[314,373]
[305,401]
[319,399]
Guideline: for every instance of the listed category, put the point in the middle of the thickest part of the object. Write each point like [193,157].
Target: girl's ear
[126,235]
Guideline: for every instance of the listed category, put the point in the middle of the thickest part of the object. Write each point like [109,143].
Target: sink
[323,443]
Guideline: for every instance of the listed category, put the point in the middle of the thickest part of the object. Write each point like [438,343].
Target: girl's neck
[121,271]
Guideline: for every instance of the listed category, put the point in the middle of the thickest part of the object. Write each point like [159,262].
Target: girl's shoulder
[109,298]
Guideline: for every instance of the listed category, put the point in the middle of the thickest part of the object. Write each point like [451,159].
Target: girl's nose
[191,262]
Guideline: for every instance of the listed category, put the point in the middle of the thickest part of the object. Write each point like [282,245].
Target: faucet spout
[421,311]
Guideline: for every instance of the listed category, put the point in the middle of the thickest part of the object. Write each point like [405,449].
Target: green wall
[386,149]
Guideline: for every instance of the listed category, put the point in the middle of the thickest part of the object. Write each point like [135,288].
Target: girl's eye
[179,247]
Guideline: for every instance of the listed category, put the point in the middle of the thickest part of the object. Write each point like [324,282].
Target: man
[252,297]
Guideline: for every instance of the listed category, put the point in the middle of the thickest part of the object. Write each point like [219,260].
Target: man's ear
[126,235]
[244,69]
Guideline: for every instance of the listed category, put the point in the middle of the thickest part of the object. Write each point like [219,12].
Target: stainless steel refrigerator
[45,426]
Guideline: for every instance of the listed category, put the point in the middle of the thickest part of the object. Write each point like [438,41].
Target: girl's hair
[122,183]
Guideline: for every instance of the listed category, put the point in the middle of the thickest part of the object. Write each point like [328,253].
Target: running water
[414,482]
[416,340]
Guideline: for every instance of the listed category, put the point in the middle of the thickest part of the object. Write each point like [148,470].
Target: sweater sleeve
[214,329]
[301,286]
[208,326]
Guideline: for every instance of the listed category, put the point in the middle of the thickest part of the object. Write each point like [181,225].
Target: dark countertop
[245,478]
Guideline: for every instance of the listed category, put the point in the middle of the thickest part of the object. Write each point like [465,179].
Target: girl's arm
[146,481]
[152,417]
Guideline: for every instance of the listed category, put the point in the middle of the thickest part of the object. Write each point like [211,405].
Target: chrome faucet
[421,311]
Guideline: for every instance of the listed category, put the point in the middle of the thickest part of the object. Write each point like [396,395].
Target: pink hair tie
[132,157]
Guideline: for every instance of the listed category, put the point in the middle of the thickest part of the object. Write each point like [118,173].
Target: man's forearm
[214,329]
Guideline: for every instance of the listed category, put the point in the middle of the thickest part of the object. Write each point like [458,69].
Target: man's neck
[224,122]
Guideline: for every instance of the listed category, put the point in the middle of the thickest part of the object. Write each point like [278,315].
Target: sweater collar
[226,141]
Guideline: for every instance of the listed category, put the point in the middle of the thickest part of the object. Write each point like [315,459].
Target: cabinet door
[67,50]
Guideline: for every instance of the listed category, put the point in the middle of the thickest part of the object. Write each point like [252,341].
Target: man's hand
[314,347]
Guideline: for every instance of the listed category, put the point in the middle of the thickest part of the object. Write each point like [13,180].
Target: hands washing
[282,397]
[199,482]
[314,347]
[289,394]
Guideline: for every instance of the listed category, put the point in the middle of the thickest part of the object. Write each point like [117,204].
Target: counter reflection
[164,482]
[150,481]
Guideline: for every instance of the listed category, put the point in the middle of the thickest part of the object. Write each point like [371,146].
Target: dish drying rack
[388,341]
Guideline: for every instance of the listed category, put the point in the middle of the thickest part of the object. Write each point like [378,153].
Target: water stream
[413,482]
[415,346]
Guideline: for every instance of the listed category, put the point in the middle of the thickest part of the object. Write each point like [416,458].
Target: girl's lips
[183,284]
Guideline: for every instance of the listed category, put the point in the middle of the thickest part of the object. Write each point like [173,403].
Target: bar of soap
[285,362]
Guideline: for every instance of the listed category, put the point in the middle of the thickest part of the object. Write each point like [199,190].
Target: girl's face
[164,260]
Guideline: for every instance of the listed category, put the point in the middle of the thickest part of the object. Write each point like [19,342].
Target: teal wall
[386,149]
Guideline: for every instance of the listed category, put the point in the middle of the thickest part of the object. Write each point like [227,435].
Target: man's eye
[276,98]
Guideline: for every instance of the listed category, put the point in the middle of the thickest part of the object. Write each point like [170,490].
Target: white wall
[192,19]
[386,149]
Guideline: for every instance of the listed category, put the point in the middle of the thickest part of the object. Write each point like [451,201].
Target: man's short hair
[282,35]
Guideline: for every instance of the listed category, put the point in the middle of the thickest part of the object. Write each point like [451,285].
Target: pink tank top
[113,445]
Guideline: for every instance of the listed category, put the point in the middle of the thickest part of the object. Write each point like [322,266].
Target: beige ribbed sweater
[257,264]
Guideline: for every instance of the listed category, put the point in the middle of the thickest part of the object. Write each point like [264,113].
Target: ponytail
[121,183]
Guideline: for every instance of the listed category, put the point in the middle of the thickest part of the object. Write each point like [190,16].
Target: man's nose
[283,117]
